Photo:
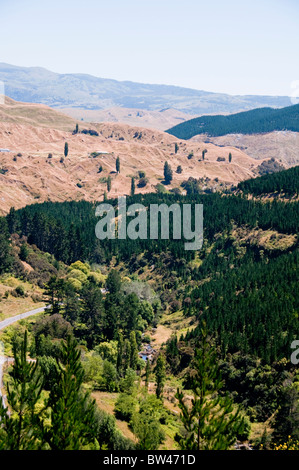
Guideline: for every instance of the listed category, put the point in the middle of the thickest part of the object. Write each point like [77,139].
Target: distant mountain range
[256,121]
[38,85]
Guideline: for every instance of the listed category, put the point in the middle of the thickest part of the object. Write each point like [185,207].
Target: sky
[232,46]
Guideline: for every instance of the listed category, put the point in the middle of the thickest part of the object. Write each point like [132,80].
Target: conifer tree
[54,292]
[120,353]
[132,186]
[109,183]
[210,422]
[134,351]
[117,164]
[19,430]
[71,409]
[160,376]
[147,373]
[167,173]
[66,149]
[127,354]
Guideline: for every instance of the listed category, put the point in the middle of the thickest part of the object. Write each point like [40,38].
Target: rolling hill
[35,169]
[38,85]
[250,122]
[161,120]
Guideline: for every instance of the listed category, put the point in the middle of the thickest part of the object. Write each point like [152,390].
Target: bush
[81,266]
[19,291]
[142,182]
[125,407]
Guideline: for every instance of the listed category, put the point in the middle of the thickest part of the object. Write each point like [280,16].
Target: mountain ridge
[37,84]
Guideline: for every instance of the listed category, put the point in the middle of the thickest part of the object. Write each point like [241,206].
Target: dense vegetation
[256,121]
[242,284]
[286,182]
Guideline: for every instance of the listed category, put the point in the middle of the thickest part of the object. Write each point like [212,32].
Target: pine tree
[176,147]
[54,292]
[71,410]
[19,430]
[286,422]
[210,422]
[229,157]
[6,257]
[66,149]
[24,252]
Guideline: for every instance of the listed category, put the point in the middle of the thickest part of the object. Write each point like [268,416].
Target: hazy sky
[231,46]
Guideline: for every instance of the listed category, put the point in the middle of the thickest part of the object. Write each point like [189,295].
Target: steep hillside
[35,169]
[34,115]
[282,145]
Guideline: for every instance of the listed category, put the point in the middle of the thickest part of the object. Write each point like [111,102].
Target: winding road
[4,324]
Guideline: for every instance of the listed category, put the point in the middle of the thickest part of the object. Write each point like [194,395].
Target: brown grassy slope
[161,120]
[34,114]
[33,177]
[282,145]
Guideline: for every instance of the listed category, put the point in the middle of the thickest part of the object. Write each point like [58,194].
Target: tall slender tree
[19,429]
[132,186]
[210,421]
[66,149]
[109,183]
[71,410]
[117,165]
[160,373]
[167,173]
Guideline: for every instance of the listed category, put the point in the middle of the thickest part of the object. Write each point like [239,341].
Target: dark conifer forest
[256,121]
[241,286]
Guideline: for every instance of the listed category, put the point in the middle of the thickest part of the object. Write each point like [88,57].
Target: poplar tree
[160,376]
[132,186]
[120,353]
[117,164]
[109,183]
[147,373]
[66,149]
[134,351]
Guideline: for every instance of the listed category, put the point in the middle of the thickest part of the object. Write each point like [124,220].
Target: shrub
[125,407]
[19,291]
[142,182]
